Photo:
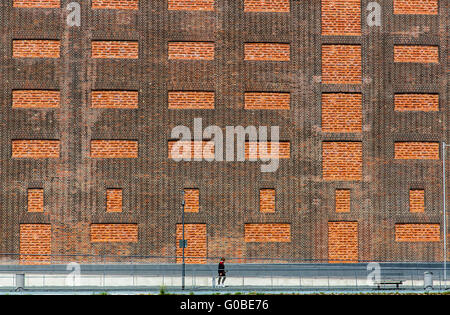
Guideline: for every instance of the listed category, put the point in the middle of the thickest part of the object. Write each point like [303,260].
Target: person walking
[222,273]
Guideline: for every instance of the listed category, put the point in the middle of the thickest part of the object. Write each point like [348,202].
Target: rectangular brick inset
[425,7]
[258,150]
[191,5]
[115,99]
[341,64]
[191,50]
[343,242]
[114,233]
[190,149]
[417,200]
[36,99]
[35,149]
[341,112]
[417,232]
[267,100]
[267,232]
[114,200]
[191,199]
[416,53]
[36,3]
[417,102]
[342,160]
[36,48]
[35,200]
[266,6]
[341,17]
[267,200]
[107,149]
[342,200]
[416,150]
[116,4]
[115,49]
[196,250]
[191,100]
[267,51]
[35,244]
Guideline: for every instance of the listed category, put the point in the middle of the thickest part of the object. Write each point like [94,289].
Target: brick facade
[418,232]
[341,112]
[267,232]
[115,99]
[196,251]
[115,49]
[114,233]
[342,200]
[341,64]
[191,100]
[191,5]
[267,52]
[191,50]
[342,160]
[35,149]
[116,4]
[192,200]
[343,244]
[341,17]
[107,149]
[37,3]
[267,100]
[416,200]
[35,244]
[416,102]
[190,150]
[36,99]
[267,200]
[422,7]
[417,150]
[416,54]
[114,200]
[266,6]
[267,150]
[36,48]
[35,200]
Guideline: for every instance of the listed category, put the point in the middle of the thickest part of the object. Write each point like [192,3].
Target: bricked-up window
[116,4]
[192,200]
[115,99]
[115,49]
[416,54]
[416,200]
[267,52]
[114,233]
[341,17]
[196,251]
[35,149]
[342,160]
[114,149]
[341,64]
[191,100]
[266,5]
[190,149]
[267,233]
[36,48]
[36,99]
[423,7]
[36,3]
[416,102]
[35,244]
[191,50]
[267,150]
[267,100]
[342,200]
[267,200]
[343,242]
[114,200]
[341,112]
[35,200]
[417,232]
[191,5]
[416,150]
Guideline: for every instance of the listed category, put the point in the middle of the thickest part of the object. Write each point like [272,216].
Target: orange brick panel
[35,244]
[267,232]
[417,201]
[267,200]
[341,64]
[36,48]
[342,200]
[36,99]
[191,5]
[424,7]
[266,6]
[35,200]
[191,100]
[417,102]
[35,149]
[196,250]
[267,51]
[115,99]
[36,3]
[342,161]
[417,150]
[191,50]
[115,49]
[114,149]
[343,242]
[191,199]
[114,233]
[114,200]
[194,149]
[341,17]
[416,53]
[255,150]
[417,232]
[266,100]
[116,4]
[341,112]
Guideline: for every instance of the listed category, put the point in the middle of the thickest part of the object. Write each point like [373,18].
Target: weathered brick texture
[35,149]
[35,200]
[116,4]
[267,150]
[191,50]
[37,3]
[417,200]
[266,6]
[196,250]
[267,200]
[191,5]
[115,49]
[114,149]
[36,99]
[114,200]
[36,48]
[114,233]
[191,100]
[417,102]
[416,53]
[35,244]
[343,242]
[192,200]
[267,232]
[417,232]
[426,7]
[341,64]
[341,17]
[267,52]
[341,112]
[342,160]
[115,99]
[267,100]
[417,150]
[190,149]
[342,200]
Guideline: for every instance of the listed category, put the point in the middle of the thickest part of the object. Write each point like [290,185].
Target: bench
[397,283]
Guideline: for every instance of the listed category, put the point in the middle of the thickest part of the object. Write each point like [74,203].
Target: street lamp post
[444,146]
[183,268]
